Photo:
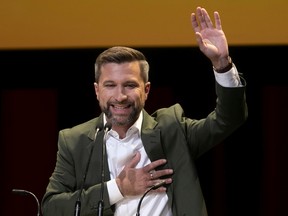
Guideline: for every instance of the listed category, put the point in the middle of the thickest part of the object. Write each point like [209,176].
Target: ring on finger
[151,174]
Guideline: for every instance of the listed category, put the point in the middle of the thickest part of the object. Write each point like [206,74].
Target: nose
[120,94]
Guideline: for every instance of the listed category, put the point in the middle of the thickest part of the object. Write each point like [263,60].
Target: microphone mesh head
[107,126]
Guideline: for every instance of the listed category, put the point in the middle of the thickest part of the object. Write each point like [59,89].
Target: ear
[147,89]
[96,88]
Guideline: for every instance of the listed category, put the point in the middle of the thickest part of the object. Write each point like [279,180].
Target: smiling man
[142,151]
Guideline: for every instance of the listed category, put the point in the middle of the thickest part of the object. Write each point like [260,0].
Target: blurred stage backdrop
[47,55]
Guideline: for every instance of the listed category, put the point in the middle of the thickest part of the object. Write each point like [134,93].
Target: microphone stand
[107,127]
[154,187]
[78,201]
[25,192]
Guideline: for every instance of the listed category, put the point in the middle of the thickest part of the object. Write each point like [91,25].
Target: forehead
[120,70]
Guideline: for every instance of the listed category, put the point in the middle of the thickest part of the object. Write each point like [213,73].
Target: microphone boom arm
[25,192]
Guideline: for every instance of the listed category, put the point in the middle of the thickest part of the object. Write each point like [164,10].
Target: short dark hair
[121,54]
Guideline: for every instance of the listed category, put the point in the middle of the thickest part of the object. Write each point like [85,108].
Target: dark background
[43,91]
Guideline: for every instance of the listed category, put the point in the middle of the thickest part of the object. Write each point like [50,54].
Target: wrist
[118,183]
[224,66]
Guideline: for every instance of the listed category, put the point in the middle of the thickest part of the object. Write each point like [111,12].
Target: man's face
[121,92]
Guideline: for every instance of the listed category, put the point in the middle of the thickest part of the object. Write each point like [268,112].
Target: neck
[121,130]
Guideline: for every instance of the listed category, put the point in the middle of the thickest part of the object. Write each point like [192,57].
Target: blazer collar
[150,135]
[96,122]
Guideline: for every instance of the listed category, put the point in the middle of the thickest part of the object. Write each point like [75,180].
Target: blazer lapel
[96,159]
[151,138]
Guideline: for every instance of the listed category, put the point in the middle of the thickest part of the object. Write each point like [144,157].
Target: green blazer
[167,133]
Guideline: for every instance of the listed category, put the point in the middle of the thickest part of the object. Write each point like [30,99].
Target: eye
[131,85]
[109,85]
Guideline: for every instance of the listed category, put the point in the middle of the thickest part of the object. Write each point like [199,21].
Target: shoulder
[80,127]
[175,110]
[85,129]
[167,116]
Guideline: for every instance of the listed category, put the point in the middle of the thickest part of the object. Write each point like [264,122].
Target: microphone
[78,201]
[107,128]
[154,187]
[25,193]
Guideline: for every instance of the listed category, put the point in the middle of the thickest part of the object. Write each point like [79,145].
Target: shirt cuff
[114,192]
[228,79]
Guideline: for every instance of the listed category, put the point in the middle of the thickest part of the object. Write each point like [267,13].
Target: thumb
[199,40]
[135,160]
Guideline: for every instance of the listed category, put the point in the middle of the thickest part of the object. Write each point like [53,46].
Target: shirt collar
[137,125]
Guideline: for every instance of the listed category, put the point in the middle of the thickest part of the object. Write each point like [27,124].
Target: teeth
[117,107]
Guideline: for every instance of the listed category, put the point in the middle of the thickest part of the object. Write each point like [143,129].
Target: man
[144,151]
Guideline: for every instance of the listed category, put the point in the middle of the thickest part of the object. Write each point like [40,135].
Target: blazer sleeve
[200,135]
[229,114]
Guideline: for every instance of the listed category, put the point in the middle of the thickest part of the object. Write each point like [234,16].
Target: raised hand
[211,40]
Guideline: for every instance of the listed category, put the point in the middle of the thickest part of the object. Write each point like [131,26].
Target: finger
[161,183]
[135,160]
[161,173]
[160,190]
[194,23]
[154,164]
[199,39]
[217,20]
[152,174]
[201,18]
[207,18]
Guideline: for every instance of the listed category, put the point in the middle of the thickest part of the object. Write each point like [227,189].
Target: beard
[122,120]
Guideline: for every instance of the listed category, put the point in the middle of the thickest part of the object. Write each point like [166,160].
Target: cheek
[99,95]
[143,97]
[104,96]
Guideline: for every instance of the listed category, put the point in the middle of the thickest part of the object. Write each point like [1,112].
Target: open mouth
[120,109]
